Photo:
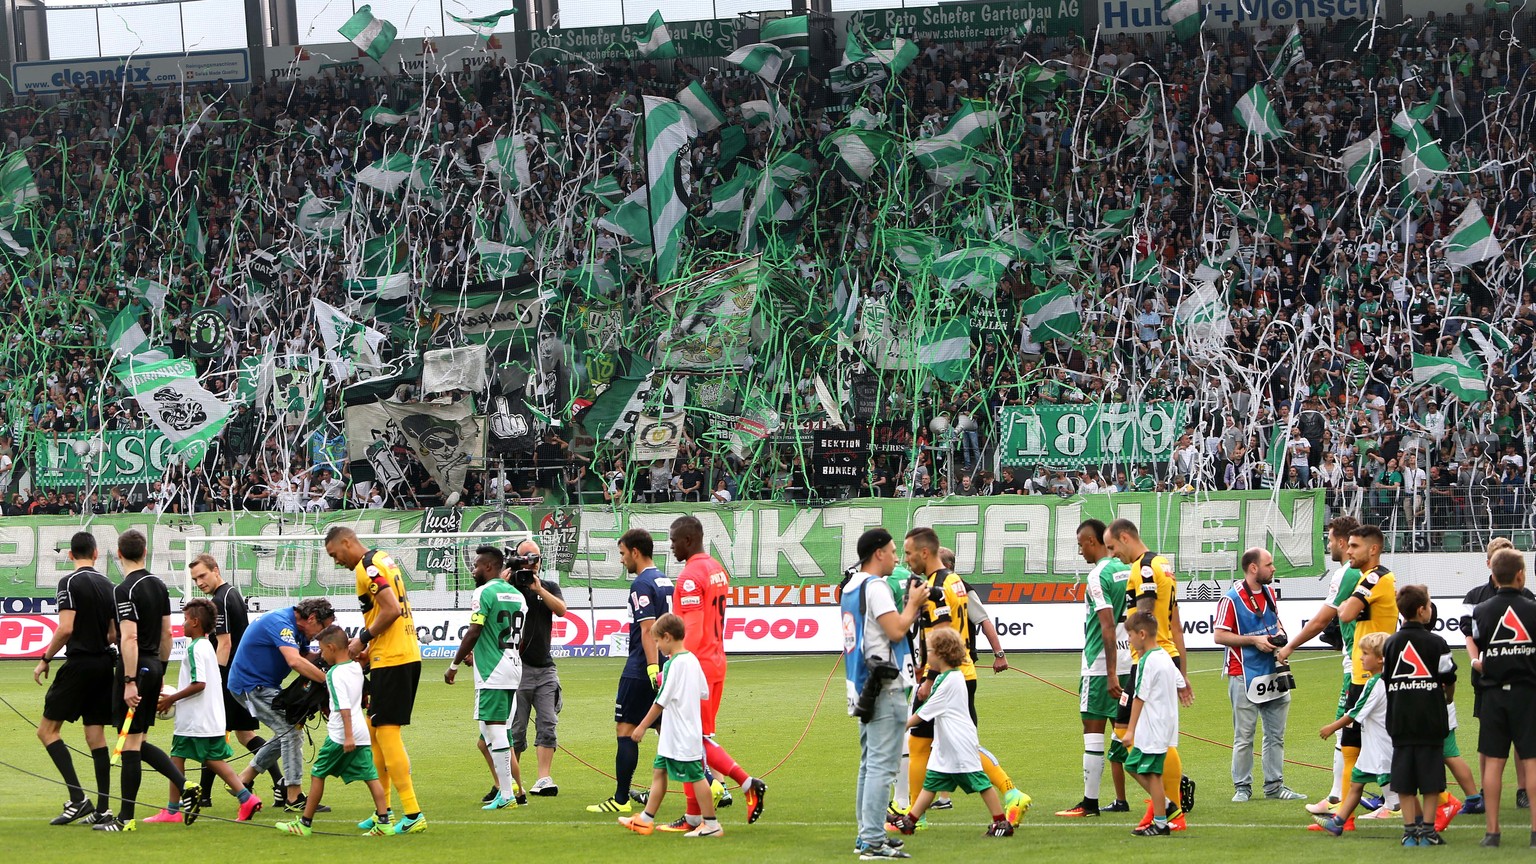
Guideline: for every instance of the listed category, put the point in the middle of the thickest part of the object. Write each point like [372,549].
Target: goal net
[278,570]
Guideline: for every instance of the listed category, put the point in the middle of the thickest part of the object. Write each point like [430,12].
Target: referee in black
[82,689]
[144,642]
[1504,627]
[230,621]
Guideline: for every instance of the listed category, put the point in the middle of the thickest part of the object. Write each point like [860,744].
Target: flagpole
[650,213]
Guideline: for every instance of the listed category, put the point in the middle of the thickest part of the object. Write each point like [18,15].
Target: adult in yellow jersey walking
[1372,608]
[387,646]
[1152,588]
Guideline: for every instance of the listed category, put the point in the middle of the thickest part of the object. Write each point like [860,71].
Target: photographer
[1248,624]
[271,647]
[878,662]
[540,687]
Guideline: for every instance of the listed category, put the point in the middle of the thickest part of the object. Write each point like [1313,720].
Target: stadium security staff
[270,648]
[540,689]
[1248,624]
[878,661]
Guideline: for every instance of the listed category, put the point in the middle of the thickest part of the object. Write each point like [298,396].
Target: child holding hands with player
[199,731]
[1370,714]
[955,763]
[680,752]
[346,752]
[1154,725]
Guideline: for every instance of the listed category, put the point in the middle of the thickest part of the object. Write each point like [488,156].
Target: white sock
[1336,791]
[903,792]
[502,759]
[1093,764]
[1392,801]
[693,819]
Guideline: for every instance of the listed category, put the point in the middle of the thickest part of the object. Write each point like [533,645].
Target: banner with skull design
[445,437]
[183,410]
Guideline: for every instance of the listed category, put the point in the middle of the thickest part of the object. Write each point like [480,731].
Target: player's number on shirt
[399,585]
[719,604]
[511,626]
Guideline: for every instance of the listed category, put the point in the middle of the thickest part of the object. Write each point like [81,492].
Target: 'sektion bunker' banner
[996,539]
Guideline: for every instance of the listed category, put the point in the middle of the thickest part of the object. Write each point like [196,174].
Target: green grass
[1031,726]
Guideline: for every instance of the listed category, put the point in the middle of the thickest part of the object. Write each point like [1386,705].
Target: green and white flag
[125,335]
[393,286]
[371,35]
[490,313]
[728,201]
[184,411]
[861,118]
[150,292]
[507,160]
[321,219]
[757,111]
[1423,161]
[656,42]
[1290,53]
[1203,312]
[497,260]
[668,129]
[350,347]
[630,218]
[385,116]
[195,241]
[388,174]
[485,25]
[1360,159]
[1255,114]
[1052,315]
[1471,239]
[766,61]
[946,349]
[967,129]
[711,319]
[1483,339]
[1269,222]
[707,115]
[972,268]
[858,151]
[1185,16]
[1462,379]
[18,187]
[793,35]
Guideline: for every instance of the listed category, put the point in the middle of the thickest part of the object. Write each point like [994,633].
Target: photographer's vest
[852,605]
[1258,666]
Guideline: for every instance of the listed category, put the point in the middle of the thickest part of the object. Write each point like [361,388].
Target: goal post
[276,570]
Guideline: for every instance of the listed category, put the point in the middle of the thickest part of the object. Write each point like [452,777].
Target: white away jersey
[1370,714]
[954,734]
[683,691]
[200,715]
[1157,686]
[498,609]
[344,685]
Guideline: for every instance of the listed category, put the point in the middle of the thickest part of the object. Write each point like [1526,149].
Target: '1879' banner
[1090,434]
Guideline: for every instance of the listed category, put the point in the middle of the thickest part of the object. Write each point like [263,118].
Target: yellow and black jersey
[1378,588]
[947,606]
[397,645]
[1152,576]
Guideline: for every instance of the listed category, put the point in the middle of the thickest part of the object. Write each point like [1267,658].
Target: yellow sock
[379,764]
[388,741]
[1351,755]
[919,749]
[1173,771]
[996,774]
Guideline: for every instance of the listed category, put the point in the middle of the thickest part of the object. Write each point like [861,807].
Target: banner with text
[136,71]
[705,38]
[996,539]
[969,22]
[122,457]
[1062,435]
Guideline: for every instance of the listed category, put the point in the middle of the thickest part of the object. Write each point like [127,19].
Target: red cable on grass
[1181,731]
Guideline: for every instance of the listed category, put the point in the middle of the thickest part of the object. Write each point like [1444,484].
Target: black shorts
[634,701]
[1127,693]
[236,717]
[924,729]
[81,690]
[1418,769]
[151,678]
[1506,721]
[1349,736]
[392,694]
[1477,704]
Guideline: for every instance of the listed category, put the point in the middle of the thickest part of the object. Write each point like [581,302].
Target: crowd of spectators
[1311,389]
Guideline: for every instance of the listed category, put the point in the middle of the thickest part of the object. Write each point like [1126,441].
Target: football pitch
[784,718]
